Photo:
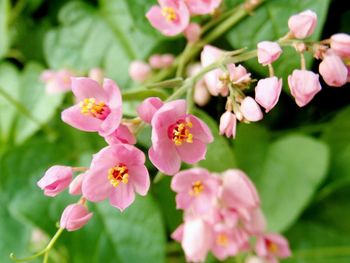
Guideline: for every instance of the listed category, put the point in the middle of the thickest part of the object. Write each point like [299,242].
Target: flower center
[197,188]
[169,13]
[180,132]
[222,240]
[117,174]
[272,247]
[91,107]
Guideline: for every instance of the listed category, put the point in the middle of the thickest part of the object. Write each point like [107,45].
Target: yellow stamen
[181,133]
[222,240]
[272,247]
[117,174]
[169,13]
[197,188]
[90,107]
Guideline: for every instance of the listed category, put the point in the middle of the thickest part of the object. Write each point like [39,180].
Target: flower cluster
[222,215]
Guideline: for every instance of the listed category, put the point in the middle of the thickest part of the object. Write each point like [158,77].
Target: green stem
[322,252]
[170,83]
[22,109]
[16,11]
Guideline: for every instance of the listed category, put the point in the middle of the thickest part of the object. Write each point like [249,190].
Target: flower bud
[304,85]
[268,52]
[228,124]
[139,71]
[74,217]
[333,70]
[158,61]
[267,92]
[303,24]
[167,60]
[56,179]
[148,107]
[75,185]
[121,135]
[97,75]
[201,95]
[57,81]
[192,32]
[340,43]
[251,110]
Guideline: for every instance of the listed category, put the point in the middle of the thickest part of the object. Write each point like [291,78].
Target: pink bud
[56,179]
[267,92]
[333,70]
[303,24]
[238,74]
[201,95]
[228,124]
[148,107]
[121,135]
[167,60]
[340,43]
[75,185]
[192,32]
[304,85]
[74,217]
[158,61]
[139,71]
[97,75]
[251,110]
[268,52]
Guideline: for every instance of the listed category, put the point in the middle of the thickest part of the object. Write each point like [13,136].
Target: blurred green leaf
[294,168]
[4,32]
[218,149]
[141,94]
[270,22]
[104,38]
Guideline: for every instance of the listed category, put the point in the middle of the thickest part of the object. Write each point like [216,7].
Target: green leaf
[220,155]
[4,34]
[106,38]
[294,168]
[270,22]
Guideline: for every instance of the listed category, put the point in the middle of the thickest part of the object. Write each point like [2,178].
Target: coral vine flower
[148,108]
[196,188]
[267,92]
[99,108]
[303,24]
[272,246]
[74,217]
[116,172]
[57,81]
[171,17]
[202,7]
[121,135]
[177,136]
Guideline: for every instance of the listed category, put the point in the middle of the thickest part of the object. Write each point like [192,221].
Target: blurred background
[298,157]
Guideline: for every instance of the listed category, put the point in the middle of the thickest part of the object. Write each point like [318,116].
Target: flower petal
[111,123]
[165,158]
[88,88]
[139,178]
[96,186]
[76,119]
[192,152]
[122,196]
[113,93]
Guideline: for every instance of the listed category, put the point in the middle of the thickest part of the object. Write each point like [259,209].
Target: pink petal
[182,180]
[111,123]
[122,196]
[96,186]
[192,152]
[87,88]
[183,201]
[76,119]
[200,130]
[165,158]
[139,178]
[128,154]
[113,93]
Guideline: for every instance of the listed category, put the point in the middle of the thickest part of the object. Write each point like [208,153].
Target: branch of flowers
[22,109]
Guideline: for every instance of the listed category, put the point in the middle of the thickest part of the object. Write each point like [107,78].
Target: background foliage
[298,158]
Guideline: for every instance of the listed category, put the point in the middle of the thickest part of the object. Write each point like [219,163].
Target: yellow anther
[197,188]
[169,13]
[89,106]
[181,133]
[222,240]
[117,174]
[272,247]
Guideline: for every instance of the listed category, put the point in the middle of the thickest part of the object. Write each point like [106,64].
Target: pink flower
[238,191]
[56,179]
[139,71]
[268,52]
[340,43]
[75,185]
[227,242]
[57,81]
[213,78]
[304,85]
[228,124]
[251,110]
[148,108]
[116,172]
[333,70]
[202,7]
[267,92]
[201,95]
[238,74]
[192,32]
[196,189]
[272,246]
[170,18]
[303,24]
[256,224]
[177,136]
[159,61]
[196,237]
[121,135]
[99,108]
[74,217]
